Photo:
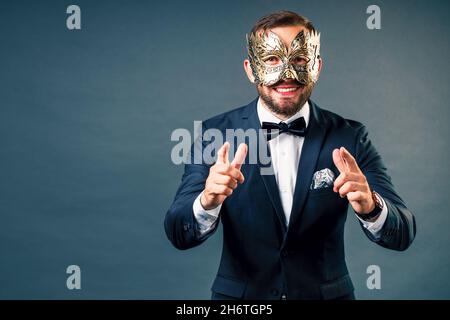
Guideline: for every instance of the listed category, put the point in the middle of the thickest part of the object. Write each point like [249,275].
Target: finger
[219,189]
[221,168]
[222,153]
[228,170]
[338,161]
[239,157]
[349,160]
[347,176]
[355,196]
[236,174]
[350,186]
[226,181]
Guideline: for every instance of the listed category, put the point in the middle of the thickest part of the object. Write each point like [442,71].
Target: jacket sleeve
[180,223]
[399,229]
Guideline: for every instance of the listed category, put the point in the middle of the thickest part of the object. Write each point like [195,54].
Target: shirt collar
[265,115]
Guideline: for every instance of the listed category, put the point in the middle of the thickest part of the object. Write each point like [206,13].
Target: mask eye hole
[299,60]
[271,60]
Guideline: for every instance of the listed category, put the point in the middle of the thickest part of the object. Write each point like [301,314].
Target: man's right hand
[223,177]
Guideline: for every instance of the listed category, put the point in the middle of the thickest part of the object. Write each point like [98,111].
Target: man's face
[286,96]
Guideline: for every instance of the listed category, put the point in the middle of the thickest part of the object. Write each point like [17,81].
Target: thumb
[222,153]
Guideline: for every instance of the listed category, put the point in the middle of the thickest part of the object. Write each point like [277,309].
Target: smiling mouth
[287,88]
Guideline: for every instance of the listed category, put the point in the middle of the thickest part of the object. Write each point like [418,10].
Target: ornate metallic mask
[299,62]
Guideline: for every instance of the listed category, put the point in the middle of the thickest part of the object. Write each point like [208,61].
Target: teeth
[285,89]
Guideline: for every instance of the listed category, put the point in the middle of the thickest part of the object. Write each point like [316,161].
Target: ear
[320,66]
[248,71]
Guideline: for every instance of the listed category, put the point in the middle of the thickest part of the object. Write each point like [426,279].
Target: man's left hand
[352,183]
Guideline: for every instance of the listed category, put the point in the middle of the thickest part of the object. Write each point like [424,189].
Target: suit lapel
[269,179]
[312,145]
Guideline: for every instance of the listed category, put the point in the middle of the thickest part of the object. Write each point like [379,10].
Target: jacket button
[274,292]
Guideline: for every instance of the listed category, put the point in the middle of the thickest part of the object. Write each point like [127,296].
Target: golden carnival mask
[299,62]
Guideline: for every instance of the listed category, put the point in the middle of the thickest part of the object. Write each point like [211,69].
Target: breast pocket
[324,208]
[322,192]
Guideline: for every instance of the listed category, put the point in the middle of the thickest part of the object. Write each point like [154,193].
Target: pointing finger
[338,161]
[239,157]
[349,160]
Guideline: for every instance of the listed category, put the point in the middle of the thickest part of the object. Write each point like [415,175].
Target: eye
[272,60]
[299,60]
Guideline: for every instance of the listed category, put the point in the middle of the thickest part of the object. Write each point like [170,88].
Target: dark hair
[281,19]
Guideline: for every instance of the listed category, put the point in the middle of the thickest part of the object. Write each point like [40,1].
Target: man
[283,232]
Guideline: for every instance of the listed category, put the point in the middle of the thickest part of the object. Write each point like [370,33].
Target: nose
[289,73]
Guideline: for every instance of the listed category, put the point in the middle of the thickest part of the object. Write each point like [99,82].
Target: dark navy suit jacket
[262,257]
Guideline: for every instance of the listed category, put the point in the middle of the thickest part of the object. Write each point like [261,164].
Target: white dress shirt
[285,150]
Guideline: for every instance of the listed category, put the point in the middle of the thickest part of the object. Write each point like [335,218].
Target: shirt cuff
[206,219]
[375,226]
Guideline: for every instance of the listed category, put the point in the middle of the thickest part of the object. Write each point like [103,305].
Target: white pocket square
[322,179]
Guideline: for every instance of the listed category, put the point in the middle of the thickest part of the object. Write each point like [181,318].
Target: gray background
[86,118]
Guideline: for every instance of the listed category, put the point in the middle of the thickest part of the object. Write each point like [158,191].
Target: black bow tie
[296,127]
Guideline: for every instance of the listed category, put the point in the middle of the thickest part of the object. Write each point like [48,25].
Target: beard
[288,107]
